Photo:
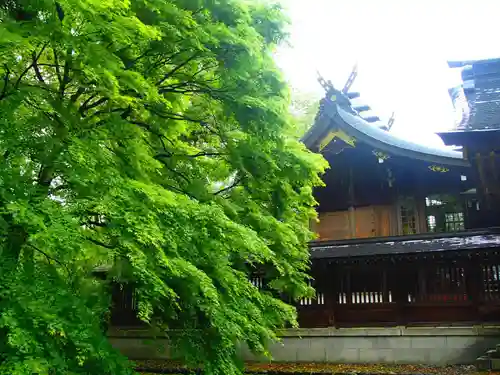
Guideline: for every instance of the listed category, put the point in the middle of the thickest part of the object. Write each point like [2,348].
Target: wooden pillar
[485,168]
[421,218]
[352,212]
[474,284]
[348,291]
[385,293]
[331,292]
[422,284]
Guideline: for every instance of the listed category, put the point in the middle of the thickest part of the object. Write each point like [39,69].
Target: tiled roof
[482,90]
[420,243]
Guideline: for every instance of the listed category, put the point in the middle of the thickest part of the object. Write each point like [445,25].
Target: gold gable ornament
[438,168]
[337,134]
[381,156]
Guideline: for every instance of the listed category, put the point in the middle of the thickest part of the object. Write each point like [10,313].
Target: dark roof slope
[483,97]
[483,239]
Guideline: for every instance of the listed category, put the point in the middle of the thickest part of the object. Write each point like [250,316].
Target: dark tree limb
[199,154]
[5,82]
[153,131]
[49,258]
[174,116]
[177,68]
[77,94]
[233,185]
[102,244]
[45,176]
[184,177]
[58,70]
[131,64]
[40,87]
[36,68]
[184,91]
[65,78]
[178,190]
[25,71]
[95,104]
[125,112]
[87,101]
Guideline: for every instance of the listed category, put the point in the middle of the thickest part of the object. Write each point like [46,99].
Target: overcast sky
[401,48]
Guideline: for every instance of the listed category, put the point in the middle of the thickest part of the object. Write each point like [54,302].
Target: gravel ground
[167,367]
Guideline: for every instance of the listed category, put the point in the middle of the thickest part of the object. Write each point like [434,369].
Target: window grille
[408,219]
[454,221]
[431,223]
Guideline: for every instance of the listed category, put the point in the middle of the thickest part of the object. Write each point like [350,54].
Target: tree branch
[131,64]
[157,157]
[5,82]
[199,154]
[185,91]
[36,69]
[233,185]
[30,65]
[58,71]
[65,78]
[174,116]
[179,191]
[40,87]
[84,104]
[177,68]
[96,104]
[125,112]
[153,131]
[49,258]
[77,94]
[45,176]
[102,244]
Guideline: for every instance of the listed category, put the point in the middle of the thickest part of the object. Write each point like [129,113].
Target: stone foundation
[404,345]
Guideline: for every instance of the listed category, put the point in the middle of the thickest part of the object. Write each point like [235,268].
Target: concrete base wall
[418,345]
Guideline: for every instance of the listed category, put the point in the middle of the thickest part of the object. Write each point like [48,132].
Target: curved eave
[382,140]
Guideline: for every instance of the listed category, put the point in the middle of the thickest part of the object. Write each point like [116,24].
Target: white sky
[401,48]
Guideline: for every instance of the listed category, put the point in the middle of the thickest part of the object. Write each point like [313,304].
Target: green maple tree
[148,135]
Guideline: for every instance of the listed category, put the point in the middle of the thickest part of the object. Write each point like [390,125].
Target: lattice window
[318,299]
[363,287]
[257,282]
[362,297]
[124,297]
[431,223]
[491,281]
[408,219]
[445,284]
[124,305]
[429,201]
[454,221]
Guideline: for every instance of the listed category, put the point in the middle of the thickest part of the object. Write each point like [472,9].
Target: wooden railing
[404,294]
[384,292]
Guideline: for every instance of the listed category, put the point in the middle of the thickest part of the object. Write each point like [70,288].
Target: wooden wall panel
[334,226]
[384,225]
[365,222]
[372,221]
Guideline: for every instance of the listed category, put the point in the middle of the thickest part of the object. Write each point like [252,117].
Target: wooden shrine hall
[401,236]
[398,241]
